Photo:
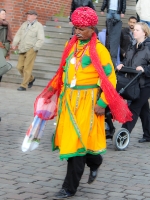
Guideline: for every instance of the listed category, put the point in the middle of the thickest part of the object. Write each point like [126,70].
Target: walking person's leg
[136,107]
[145,119]
[75,169]
[93,162]
[20,65]
[28,67]
[20,68]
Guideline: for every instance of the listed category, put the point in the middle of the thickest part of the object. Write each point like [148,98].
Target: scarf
[116,103]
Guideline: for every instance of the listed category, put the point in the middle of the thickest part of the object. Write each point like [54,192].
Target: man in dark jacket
[127,38]
[115,8]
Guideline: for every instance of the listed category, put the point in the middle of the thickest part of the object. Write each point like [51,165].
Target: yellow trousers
[25,66]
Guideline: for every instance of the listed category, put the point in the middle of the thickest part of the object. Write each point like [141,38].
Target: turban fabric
[84,16]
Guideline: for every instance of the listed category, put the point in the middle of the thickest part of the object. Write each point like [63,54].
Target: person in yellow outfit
[78,94]
[85,84]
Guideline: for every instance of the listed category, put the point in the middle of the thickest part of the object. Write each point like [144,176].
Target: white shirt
[113,4]
[143,9]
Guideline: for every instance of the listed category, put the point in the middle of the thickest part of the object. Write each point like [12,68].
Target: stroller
[130,92]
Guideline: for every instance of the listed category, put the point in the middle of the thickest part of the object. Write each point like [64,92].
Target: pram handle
[137,75]
[127,69]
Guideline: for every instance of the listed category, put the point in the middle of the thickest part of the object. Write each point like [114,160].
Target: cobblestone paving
[39,174]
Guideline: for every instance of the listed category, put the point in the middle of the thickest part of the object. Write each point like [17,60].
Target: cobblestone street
[39,174]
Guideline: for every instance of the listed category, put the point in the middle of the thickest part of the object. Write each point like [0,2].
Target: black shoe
[92,176]
[21,88]
[62,194]
[143,140]
[31,83]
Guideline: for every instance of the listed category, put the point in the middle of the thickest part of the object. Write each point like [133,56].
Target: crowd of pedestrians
[85,82]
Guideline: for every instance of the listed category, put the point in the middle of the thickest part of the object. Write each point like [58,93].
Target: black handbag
[128,85]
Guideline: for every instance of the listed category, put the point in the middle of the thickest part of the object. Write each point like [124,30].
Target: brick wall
[16,10]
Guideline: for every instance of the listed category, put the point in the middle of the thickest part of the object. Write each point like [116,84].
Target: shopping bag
[33,135]
[46,110]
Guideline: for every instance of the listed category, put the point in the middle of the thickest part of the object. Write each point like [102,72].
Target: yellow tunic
[79,130]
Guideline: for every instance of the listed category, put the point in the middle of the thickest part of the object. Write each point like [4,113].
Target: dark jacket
[125,41]
[140,57]
[121,6]
[79,3]
[3,34]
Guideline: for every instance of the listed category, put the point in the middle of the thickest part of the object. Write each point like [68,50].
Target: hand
[1,45]
[102,13]
[8,57]
[139,68]
[99,110]
[70,23]
[122,15]
[119,66]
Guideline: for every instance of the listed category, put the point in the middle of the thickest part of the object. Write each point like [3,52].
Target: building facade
[16,10]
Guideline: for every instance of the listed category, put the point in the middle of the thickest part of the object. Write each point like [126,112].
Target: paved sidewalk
[38,174]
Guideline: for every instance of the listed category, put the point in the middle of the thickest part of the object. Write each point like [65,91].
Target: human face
[31,18]
[84,33]
[2,15]
[132,23]
[138,33]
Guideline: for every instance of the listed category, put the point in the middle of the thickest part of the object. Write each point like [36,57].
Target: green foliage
[46,36]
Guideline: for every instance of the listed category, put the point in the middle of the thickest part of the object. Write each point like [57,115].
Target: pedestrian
[138,57]
[115,8]
[30,38]
[142,9]
[5,34]
[85,68]
[127,38]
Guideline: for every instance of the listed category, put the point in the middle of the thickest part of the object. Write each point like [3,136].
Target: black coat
[125,41]
[140,57]
[79,3]
[121,6]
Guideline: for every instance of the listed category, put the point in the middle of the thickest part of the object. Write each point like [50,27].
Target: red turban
[84,16]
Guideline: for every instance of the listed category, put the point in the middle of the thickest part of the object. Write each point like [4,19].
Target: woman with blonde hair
[138,57]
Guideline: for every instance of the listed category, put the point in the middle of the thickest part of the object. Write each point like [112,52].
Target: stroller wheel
[121,139]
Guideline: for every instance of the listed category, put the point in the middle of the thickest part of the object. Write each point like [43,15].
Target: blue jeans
[112,14]
[148,23]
